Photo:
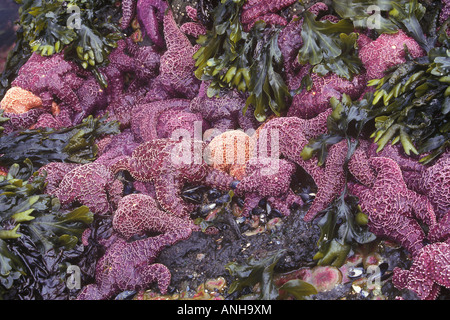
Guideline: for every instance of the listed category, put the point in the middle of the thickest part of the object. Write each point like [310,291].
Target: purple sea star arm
[430,270]
[128,266]
[139,213]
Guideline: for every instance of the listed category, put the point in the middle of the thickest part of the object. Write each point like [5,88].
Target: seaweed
[329,46]
[74,144]
[342,226]
[83,29]
[26,211]
[410,104]
[261,271]
[250,62]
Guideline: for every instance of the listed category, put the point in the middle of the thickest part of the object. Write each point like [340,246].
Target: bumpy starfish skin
[150,14]
[139,213]
[55,172]
[268,178]
[146,59]
[386,51]
[21,121]
[18,100]
[290,135]
[435,184]
[193,29]
[393,209]
[92,98]
[49,78]
[176,72]
[253,11]
[308,104]
[116,146]
[128,10]
[129,266]
[92,185]
[429,271]
[169,164]
[445,11]
[223,112]
[144,123]
[440,232]
[290,41]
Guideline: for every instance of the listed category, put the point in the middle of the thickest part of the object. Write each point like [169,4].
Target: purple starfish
[49,78]
[21,121]
[92,185]
[169,165]
[55,172]
[308,104]
[440,232]
[129,266]
[386,51]
[110,148]
[150,14]
[268,178]
[393,209]
[255,10]
[159,119]
[435,184]
[429,271]
[431,181]
[291,135]
[223,112]
[54,80]
[176,73]
[137,214]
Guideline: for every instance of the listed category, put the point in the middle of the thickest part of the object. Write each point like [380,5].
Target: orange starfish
[229,152]
[18,100]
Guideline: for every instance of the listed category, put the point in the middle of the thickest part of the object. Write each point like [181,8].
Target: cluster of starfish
[173,134]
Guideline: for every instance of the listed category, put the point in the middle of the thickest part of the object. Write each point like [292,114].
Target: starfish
[253,11]
[92,98]
[394,210]
[223,112]
[18,100]
[290,41]
[137,214]
[91,184]
[386,51]
[430,270]
[55,172]
[176,71]
[130,266]
[308,104]
[435,184]
[440,232]
[169,165]
[150,14]
[290,135]
[112,147]
[159,119]
[270,179]
[21,121]
[431,181]
[51,78]
[146,62]
[229,151]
